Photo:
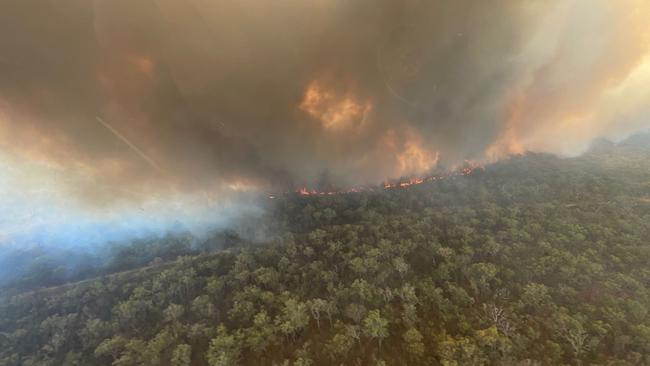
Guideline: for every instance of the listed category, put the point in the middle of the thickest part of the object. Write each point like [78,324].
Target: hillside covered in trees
[534,260]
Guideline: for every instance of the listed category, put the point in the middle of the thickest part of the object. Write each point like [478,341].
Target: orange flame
[467,170]
[411,157]
[331,110]
[416,158]
[509,142]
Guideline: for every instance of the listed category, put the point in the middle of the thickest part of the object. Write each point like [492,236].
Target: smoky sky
[126,98]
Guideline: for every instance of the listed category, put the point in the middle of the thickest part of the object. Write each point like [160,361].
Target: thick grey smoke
[133,97]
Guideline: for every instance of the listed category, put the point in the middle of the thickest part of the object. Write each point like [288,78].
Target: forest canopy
[534,260]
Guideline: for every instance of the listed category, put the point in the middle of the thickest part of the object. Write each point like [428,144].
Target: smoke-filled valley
[326,182]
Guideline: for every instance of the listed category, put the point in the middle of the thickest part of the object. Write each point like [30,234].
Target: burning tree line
[468,169]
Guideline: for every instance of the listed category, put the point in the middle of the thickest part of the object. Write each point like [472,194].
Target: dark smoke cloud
[200,95]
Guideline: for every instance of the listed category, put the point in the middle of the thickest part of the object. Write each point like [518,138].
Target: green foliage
[535,261]
[224,349]
[182,355]
[375,327]
[293,319]
[413,342]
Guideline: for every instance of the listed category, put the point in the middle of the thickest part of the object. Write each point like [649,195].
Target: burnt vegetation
[535,260]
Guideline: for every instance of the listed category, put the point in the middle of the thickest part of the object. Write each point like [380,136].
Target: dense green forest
[534,260]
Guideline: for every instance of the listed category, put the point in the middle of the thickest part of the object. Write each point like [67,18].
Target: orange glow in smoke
[143,63]
[331,110]
[129,74]
[415,158]
[242,186]
[509,142]
[467,169]
[411,157]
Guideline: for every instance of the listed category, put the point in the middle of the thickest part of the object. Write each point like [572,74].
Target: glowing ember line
[466,171]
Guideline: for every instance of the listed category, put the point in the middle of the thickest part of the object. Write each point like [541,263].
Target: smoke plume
[132,98]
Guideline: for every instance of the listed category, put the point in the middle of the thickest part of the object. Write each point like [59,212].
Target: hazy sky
[109,105]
